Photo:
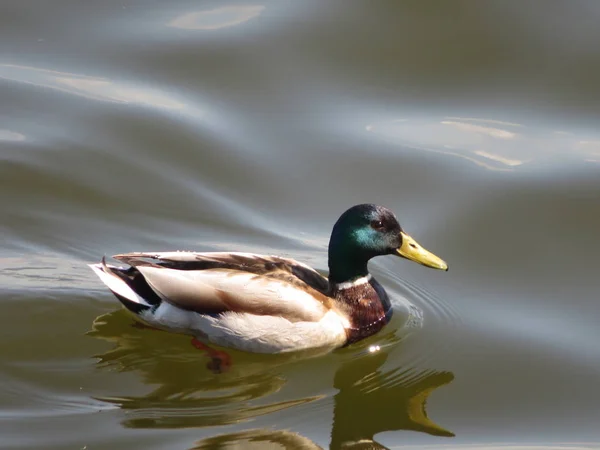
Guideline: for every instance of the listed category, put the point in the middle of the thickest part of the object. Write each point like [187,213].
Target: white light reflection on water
[478,129]
[566,446]
[592,148]
[492,144]
[95,88]
[215,19]
[6,135]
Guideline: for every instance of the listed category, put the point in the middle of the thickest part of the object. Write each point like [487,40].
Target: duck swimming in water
[269,304]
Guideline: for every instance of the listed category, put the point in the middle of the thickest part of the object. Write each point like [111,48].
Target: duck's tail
[128,285]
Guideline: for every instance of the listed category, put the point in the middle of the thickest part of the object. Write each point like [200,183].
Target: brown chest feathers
[367,307]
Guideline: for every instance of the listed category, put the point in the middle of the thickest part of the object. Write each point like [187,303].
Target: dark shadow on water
[183,393]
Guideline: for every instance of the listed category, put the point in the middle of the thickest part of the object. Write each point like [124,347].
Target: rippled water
[251,126]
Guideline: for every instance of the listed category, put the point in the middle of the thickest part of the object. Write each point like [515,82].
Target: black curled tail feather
[132,306]
[136,281]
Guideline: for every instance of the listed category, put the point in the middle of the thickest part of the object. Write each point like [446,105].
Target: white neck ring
[353,283]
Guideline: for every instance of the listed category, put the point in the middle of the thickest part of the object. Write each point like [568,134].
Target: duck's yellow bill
[410,249]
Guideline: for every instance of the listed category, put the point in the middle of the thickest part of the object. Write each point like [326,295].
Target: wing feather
[242,282]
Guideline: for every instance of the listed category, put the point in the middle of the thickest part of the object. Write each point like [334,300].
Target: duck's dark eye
[377,224]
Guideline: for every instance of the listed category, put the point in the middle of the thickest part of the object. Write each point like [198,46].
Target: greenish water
[143,125]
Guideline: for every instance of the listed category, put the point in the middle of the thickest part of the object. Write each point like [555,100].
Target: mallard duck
[269,304]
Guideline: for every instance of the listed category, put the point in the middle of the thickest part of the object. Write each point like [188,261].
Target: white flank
[252,333]
[117,285]
[271,334]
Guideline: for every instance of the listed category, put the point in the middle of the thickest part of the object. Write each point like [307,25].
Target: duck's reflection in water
[185,393]
[370,401]
[258,439]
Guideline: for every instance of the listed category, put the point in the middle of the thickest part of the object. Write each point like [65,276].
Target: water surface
[251,126]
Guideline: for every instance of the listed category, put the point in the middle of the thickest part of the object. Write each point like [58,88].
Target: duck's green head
[368,230]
